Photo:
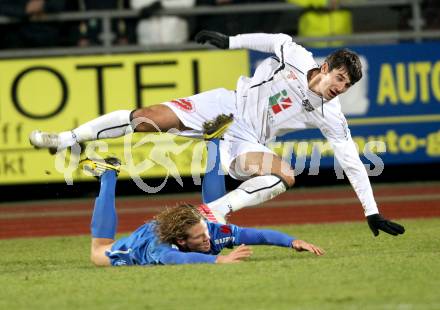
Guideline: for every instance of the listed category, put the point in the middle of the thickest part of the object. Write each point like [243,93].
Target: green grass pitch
[357,272]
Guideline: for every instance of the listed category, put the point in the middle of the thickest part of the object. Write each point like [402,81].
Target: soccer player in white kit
[287,93]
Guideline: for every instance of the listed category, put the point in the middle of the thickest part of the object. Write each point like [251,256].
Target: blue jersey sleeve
[253,236]
[226,236]
[175,257]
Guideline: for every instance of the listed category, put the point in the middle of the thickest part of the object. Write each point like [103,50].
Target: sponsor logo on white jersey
[280,102]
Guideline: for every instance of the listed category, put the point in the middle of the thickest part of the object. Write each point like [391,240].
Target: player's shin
[213,186]
[104,218]
[251,192]
[111,125]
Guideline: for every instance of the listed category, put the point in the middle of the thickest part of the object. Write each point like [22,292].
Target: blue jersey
[143,247]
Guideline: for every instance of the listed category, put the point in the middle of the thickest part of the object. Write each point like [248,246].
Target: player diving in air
[288,92]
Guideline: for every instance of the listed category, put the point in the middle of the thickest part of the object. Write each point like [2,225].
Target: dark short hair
[345,58]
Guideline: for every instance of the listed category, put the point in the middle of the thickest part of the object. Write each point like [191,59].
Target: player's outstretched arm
[301,245]
[237,255]
[263,42]
[271,237]
[348,157]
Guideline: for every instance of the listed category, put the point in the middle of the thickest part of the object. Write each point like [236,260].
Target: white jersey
[277,100]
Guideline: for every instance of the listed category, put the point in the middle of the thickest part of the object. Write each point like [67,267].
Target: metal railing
[106,17]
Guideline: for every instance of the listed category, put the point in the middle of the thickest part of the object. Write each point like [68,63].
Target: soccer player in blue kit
[178,235]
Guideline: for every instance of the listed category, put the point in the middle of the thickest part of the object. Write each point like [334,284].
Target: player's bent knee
[155,118]
[98,250]
[289,181]
[99,260]
[286,173]
[142,120]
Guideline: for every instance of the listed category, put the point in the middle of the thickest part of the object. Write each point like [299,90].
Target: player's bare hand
[301,245]
[237,255]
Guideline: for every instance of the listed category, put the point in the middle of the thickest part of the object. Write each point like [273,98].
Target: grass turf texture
[358,272]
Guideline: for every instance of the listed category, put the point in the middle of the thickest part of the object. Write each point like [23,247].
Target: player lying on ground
[179,235]
[287,93]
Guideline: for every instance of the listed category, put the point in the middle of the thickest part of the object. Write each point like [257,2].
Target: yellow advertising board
[59,93]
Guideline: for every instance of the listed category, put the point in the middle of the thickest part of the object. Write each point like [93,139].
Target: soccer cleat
[40,139]
[217,127]
[97,167]
[210,214]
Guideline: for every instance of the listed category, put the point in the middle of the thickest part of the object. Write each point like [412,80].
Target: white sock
[66,139]
[111,125]
[250,193]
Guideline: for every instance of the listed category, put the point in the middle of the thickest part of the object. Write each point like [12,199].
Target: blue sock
[104,218]
[213,185]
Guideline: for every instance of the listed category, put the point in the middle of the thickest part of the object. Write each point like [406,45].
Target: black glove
[378,222]
[150,10]
[214,38]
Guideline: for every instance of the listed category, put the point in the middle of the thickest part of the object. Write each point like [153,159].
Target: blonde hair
[173,223]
